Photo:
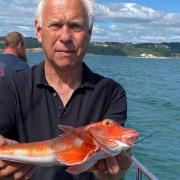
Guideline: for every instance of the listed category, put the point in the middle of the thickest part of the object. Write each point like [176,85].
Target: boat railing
[142,171]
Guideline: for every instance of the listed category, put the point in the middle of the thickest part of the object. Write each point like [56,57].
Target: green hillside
[121,49]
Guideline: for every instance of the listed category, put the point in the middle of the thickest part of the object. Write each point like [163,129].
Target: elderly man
[14,55]
[61,90]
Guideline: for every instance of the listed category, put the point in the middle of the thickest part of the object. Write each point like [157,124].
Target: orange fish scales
[38,151]
[29,150]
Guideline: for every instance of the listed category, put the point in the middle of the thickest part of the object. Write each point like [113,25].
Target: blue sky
[115,20]
[162,5]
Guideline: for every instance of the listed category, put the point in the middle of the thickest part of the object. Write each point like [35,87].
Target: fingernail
[114,169]
[2,164]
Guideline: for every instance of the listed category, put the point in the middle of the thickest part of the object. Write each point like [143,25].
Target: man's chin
[67,65]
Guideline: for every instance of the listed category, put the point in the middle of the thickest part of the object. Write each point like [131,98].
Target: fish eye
[107,123]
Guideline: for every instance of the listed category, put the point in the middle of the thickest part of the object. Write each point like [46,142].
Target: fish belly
[41,161]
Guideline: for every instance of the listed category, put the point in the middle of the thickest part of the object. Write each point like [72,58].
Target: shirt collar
[88,79]
[40,80]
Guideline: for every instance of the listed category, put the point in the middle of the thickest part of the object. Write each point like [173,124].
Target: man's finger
[101,165]
[30,173]
[112,165]
[22,172]
[124,160]
[10,168]
[3,164]
[4,141]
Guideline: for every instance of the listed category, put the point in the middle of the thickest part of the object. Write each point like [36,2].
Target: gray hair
[89,5]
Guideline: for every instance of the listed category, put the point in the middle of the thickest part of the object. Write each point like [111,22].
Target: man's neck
[68,76]
[9,51]
[64,81]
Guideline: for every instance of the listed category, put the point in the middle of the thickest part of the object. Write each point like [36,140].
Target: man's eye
[76,27]
[55,27]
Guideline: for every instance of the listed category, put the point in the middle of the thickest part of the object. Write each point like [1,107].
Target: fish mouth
[130,138]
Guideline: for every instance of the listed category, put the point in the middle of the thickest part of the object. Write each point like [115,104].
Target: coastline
[38,50]
[34,50]
[156,57]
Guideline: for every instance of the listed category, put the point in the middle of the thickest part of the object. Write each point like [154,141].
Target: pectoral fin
[76,152]
[77,169]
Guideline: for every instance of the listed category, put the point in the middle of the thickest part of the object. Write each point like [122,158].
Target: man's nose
[65,34]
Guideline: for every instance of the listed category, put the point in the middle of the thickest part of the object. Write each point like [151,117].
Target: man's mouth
[65,51]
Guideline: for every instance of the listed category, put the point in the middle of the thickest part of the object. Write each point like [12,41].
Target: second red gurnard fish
[78,148]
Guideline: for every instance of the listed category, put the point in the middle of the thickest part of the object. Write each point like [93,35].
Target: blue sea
[153,92]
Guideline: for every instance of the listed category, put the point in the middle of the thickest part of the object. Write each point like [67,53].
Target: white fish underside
[41,161]
[114,151]
[98,156]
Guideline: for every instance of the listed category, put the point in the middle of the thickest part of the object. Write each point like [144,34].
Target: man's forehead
[65,11]
[74,7]
[64,3]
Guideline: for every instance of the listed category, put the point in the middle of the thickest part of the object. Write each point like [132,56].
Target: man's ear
[90,31]
[21,47]
[38,31]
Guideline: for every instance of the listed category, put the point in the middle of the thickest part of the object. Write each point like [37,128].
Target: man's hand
[14,170]
[113,168]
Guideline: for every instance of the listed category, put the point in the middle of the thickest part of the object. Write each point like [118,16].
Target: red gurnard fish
[78,148]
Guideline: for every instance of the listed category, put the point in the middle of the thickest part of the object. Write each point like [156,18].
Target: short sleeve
[117,109]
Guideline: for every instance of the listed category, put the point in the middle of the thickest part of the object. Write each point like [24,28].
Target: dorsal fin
[77,132]
[66,128]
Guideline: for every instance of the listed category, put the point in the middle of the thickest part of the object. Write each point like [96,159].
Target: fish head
[111,135]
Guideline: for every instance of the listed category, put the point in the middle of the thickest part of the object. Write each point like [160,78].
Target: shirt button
[54,94]
[60,107]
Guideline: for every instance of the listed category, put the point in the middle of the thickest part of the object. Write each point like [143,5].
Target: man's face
[64,33]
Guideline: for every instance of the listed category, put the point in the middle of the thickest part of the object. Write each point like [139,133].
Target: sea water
[153,93]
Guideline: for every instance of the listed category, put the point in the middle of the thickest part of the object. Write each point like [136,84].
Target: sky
[135,21]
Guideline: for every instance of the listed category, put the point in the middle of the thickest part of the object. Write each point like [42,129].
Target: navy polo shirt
[30,110]
[10,64]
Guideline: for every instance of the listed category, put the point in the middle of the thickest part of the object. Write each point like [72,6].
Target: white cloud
[16,14]
[129,22]
[123,22]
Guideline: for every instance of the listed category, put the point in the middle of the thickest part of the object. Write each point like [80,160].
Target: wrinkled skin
[64,34]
